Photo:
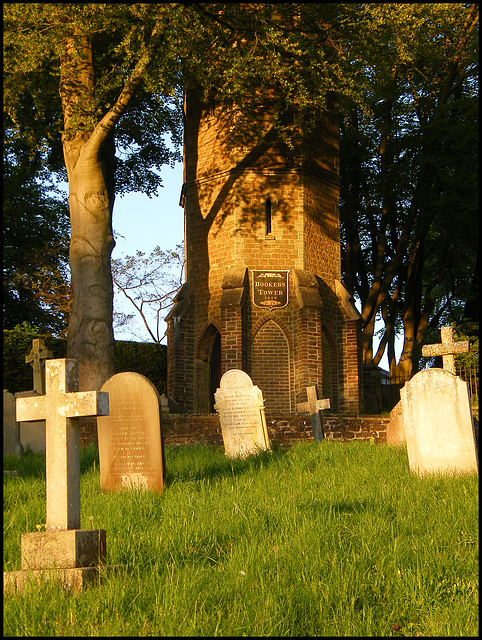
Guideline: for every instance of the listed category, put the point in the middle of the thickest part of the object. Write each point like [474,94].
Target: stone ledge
[68,549]
[69,579]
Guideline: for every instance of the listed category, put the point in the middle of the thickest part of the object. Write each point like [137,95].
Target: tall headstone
[438,425]
[131,452]
[314,407]
[64,551]
[240,407]
[11,428]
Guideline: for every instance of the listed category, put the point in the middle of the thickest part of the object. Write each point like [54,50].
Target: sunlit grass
[321,539]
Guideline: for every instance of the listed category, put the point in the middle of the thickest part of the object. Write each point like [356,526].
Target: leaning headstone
[11,428]
[64,551]
[240,407]
[314,407]
[131,452]
[438,425]
[395,431]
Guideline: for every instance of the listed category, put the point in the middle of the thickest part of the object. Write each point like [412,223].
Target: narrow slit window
[268,216]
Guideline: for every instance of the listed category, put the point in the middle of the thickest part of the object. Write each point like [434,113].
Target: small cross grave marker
[61,407]
[314,408]
[37,355]
[447,349]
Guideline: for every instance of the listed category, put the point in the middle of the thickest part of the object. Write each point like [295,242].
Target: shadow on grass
[31,464]
[204,462]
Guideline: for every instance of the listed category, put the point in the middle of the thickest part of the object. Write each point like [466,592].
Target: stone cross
[61,407]
[314,408]
[447,349]
[36,356]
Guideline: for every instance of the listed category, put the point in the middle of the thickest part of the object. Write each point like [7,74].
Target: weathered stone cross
[314,408]
[447,349]
[61,407]
[37,354]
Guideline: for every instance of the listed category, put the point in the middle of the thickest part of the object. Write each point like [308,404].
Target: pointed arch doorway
[214,368]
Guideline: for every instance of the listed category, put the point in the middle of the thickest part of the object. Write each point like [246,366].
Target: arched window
[268,216]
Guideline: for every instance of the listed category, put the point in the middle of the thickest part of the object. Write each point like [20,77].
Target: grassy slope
[322,539]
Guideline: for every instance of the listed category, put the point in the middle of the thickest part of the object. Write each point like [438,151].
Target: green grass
[318,540]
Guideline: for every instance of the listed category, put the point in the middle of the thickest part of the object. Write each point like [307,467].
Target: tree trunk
[90,335]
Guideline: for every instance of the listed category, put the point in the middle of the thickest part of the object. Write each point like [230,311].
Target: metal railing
[390,390]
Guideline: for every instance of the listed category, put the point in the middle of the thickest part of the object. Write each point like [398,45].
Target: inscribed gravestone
[314,407]
[11,428]
[438,425]
[240,407]
[131,452]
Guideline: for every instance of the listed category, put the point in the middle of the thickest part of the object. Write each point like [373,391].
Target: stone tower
[263,289]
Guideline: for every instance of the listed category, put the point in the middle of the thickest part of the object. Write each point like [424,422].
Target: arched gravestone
[240,407]
[131,452]
[438,424]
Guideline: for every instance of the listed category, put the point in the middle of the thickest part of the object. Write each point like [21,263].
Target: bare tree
[150,284]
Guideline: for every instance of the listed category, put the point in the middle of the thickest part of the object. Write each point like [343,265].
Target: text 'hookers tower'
[263,289]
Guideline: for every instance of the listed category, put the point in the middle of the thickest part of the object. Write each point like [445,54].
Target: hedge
[149,359]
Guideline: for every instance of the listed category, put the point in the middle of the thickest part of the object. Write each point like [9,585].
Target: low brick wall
[179,429]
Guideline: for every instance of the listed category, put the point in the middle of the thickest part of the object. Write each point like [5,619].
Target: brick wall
[227,186]
[283,429]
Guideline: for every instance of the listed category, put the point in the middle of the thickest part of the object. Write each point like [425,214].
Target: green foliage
[468,330]
[273,545]
[409,172]
[17,343]
[403,78]
[35,242]
[145,358]
[148,359]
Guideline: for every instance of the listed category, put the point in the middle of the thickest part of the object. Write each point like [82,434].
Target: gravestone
[64,551]
[32,433]
[314,407]
[11,428]
[240,407]
[36,357]
[448,348]
[395,431]
[438,425]
[131,452]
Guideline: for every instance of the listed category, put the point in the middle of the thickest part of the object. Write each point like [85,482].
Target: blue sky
[142,223]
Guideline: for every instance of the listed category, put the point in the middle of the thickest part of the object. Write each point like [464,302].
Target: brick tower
[263,289]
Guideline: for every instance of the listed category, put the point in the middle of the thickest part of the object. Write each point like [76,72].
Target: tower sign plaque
[270,289]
